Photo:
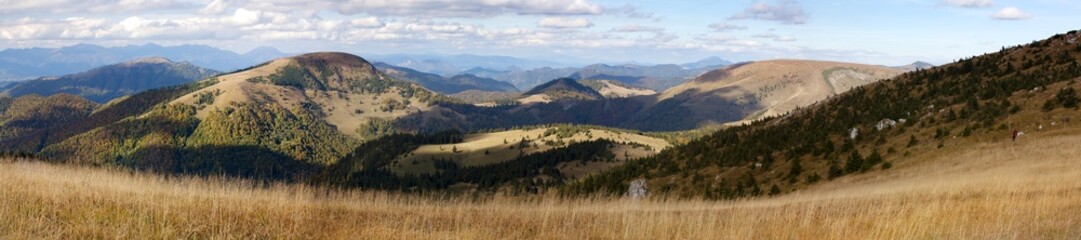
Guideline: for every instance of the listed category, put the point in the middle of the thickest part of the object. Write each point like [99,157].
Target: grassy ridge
[1021,190]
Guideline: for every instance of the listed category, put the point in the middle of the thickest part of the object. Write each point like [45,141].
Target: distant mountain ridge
[656,77]
[105,83]
[563,89]
[450,65]
[918,65]
[446,85]
[30,63]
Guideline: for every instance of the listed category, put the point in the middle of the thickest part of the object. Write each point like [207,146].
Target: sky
[885,32]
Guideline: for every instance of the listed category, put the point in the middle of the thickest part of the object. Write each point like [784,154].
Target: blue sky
[888,32]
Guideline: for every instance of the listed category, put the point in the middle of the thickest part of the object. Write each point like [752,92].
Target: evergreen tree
[855,162]
[835,171]
[872,160]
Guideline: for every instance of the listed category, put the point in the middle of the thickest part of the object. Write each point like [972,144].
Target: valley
[526,119]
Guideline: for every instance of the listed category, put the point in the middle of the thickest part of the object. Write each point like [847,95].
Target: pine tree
[795,170]
[855,162]
[872,160]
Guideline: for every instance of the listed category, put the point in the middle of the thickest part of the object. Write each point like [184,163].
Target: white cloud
[368,22]
[308,8]
[1011,13]
[783,11]
[630,12]
[89,6]
[466,8]
[723,26]
[775,37]
[636,28]
[969,3]
[214,7]
[558,22]
[245,17]
[785,39]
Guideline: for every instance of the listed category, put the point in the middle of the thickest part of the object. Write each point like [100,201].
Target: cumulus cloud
[215,7]
[783,11]
[723,27]
[775,37]
[969,3]
[90,6]
[558,22]
[467,8]
[728,43]
[403,8]
[636,28]
[1011,14]
[368,22]
[630,12]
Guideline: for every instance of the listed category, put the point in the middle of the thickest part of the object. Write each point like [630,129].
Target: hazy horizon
[891,32]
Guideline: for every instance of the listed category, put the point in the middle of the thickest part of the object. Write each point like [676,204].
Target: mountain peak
[339,59]
[564,89]
[917,65]
[708,62]
[149,60]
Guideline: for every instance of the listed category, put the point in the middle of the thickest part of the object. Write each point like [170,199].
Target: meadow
[1030,189]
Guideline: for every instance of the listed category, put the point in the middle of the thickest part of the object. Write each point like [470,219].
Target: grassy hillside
[974,101]
[277,120]
[528,159]
[1022,190]
[751,91]
[481,149]
[615,89]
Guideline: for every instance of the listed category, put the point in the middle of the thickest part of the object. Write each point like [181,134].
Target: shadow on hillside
[136,104]
[694,108]
[231,161]
[686,111]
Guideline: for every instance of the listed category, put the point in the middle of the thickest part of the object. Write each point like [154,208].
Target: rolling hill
[616,89]
[563,89]
[282,119]
[754,90]
[106,83]
[976,101]
[299,118]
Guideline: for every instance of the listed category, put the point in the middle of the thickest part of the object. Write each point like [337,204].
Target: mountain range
[446,85]
[450,65]
[30,63]
[106,83]
[337,119]
[656,77]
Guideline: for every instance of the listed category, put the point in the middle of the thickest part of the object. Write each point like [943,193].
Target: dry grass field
[481,149]
[1000,190]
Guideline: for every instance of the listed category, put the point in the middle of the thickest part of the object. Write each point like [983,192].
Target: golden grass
[1027,190]
[481,149]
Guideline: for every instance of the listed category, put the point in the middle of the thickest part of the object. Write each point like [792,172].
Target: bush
[1067,97]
